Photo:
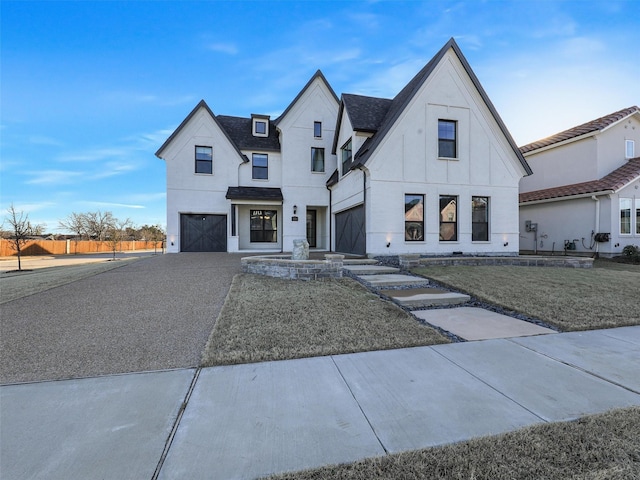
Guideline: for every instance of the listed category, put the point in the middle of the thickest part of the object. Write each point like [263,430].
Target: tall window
[637,216]
[447,133]
[625,216]
[480,219]
[346,157]
[317,159]
[204,159]
[629,148]
[317,129]
[448,218]
[260,166]
[413,218]
[264,226]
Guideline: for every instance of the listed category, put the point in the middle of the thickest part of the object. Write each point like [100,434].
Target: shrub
[631,251]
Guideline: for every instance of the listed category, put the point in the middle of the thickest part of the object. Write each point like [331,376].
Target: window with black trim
[346,157]
[413,218]
[260,127]
[260,166]
[204,160]
[317,129]
[448,218]
[637,216]
[480,219]
[264,226]
[447,136]
[317,159]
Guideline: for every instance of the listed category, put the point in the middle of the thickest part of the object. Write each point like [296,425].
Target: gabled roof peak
[317,75]
[592,126]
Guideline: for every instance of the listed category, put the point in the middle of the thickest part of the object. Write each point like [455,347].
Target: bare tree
[76,223]
[21,230]
[116,233]
[99,224]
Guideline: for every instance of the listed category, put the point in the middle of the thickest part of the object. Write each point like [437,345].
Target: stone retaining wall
[408,261]
[282,266]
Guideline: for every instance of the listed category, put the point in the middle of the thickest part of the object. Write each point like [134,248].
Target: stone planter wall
[282,266]
[414,260]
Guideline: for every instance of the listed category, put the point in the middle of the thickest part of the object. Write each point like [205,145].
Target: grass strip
[597,447]
[567,298]
[266,318]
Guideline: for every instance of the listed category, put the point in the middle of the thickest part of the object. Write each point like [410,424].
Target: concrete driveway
[151,314]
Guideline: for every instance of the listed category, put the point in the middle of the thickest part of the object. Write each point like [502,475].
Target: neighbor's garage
[350,231]
[203,233]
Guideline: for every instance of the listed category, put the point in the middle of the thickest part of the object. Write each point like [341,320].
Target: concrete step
[393,280]
[425,297]
[359,261]
[370,269]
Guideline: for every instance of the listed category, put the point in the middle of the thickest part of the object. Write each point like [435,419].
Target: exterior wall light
[388,244]
[506,243]
[295,209]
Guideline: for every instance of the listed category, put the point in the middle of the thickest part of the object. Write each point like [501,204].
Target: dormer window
[260,125]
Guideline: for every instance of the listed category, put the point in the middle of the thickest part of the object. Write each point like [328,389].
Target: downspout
[597,223]
[330,218]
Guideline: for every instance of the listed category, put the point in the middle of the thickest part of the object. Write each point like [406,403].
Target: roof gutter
[567,197]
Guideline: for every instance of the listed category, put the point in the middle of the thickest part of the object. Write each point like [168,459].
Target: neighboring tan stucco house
[432,171]
[584,194]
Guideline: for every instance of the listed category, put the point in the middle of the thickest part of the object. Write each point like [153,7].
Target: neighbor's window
[480,219]
[625,215]
[260,166]
[637,216]
[629,148]
[413,217]
[260,127]
[447,132]
[204,159]
[264,226]
[448,218]
[317,159]
[346,157]
[317,129]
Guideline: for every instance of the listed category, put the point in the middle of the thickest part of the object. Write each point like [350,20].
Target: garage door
[203,233]
[350,232]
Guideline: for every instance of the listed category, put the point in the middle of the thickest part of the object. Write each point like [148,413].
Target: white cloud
[228,48]
[116,205]
[53,177]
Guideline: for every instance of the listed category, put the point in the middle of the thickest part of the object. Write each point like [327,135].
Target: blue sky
[90,90]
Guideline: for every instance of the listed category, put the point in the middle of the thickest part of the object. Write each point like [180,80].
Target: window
[448,218]
[317,159]
[260,166]
[447,139]
[479,219]
[629,148]
[413,218]
[625,216]
[637,216]
[346,157]
[264,226]
[204,160]
[260,127]
[317,129]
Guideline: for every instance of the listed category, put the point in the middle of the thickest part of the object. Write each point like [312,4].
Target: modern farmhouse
[431,171]
[584,195]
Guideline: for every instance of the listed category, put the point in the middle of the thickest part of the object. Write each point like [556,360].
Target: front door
[311,227]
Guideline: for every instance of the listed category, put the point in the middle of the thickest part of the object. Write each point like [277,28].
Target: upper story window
[204,160]
[447,139]
[413,218]
[346,157]
[317,159]
[479,219]
[317,129]
[448,218]
[260,125]
[629,149]
[260,166]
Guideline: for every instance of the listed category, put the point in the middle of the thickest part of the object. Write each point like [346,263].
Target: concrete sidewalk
[246,421]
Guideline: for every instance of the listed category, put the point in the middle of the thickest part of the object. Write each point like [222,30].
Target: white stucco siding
[190,192]
[611,144]
[245,170]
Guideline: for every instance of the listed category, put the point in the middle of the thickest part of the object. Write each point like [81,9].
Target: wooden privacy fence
[70,247]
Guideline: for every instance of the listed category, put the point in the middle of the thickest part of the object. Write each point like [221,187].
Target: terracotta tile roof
[613,182]
[592,126]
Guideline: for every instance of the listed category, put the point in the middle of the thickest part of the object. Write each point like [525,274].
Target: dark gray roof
[254,193]
[366,113]
[319,75]
[402,99]
[240,130]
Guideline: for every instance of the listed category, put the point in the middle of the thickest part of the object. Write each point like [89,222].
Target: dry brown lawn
[598,447]
[267,318]
[568,298]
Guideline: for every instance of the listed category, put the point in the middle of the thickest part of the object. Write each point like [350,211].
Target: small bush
[631,251]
